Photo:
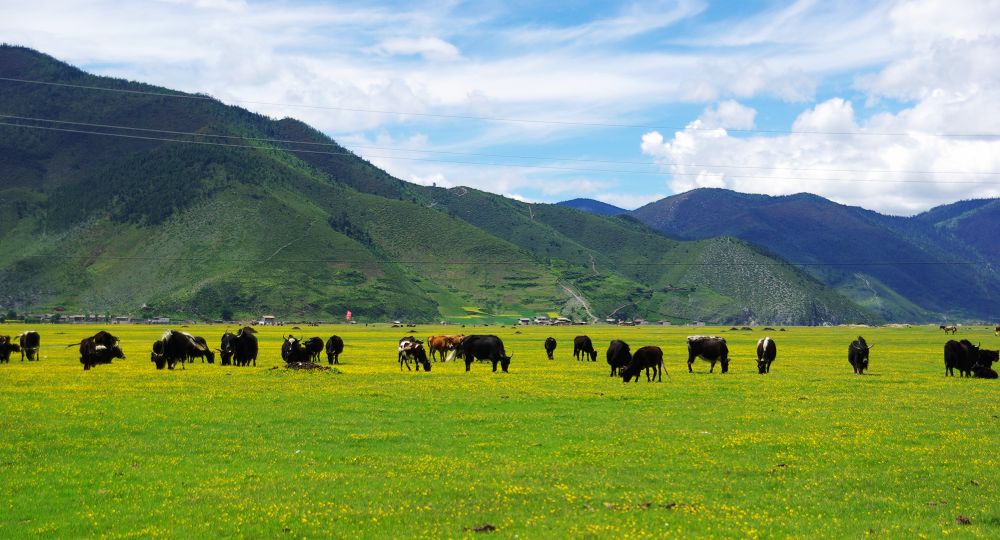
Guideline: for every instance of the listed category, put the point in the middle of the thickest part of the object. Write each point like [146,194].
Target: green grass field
[553,449]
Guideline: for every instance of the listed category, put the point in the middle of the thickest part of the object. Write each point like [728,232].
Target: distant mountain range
[214,214]
[594,207]
[939,265]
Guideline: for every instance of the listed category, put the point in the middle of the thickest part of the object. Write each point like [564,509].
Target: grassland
[553,449]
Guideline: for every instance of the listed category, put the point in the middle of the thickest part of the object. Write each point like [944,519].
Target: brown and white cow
[443,345]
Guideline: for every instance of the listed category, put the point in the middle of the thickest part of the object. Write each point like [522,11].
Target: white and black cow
[584,347]
[766,353]
[619,356]
[646,358]
[294,351]
[484,347]
[857,355]
[709,348]
[409,349]
[179,347]
[30,343]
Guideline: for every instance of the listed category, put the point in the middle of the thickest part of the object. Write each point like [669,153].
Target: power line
[502,119]
[519,166]
[505,156]
[503,263]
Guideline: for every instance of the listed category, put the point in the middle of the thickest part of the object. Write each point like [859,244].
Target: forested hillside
[939,265]
[222,219]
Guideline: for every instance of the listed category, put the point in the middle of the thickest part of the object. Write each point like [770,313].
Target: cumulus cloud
[938,147]
[890,171]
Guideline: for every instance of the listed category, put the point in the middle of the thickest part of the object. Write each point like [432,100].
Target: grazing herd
[27,343]
[241,348]
[969,360]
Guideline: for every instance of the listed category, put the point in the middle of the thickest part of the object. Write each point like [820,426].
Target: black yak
[484,347]
[30,343]
[857,355]
[7,347]
[550,346]
[315,346]
[100,348]
[648,357]
[179,347]
[710,348]
[334,346]
[239,348]
[619,356]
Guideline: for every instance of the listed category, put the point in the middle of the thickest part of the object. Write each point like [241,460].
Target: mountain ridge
[935,265]
[111,224]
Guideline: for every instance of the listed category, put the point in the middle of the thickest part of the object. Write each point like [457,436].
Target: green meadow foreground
[552,449]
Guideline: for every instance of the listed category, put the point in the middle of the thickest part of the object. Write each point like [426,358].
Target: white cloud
[896,174]
[328,63]
[431,48]
[729,115]
[898,162]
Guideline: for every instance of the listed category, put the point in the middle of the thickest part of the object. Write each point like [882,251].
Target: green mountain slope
[140,226]
[899,267]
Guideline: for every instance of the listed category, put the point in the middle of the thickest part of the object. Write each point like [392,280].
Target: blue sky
[861,102]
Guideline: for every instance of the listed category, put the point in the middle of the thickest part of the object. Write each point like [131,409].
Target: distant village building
[121,320]
[268,320]
[524,321]
[77,318]
[159,320]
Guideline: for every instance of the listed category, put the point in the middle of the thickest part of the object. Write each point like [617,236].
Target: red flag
[348,315]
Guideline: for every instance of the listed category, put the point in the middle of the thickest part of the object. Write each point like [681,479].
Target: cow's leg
[468,363]
[659,372]
[690,361]
[495,365]
[712,368]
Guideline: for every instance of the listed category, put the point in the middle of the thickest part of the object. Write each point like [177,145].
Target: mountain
[594,207]
[902,268]
[207,211]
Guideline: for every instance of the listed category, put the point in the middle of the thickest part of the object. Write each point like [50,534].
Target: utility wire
[504,156]
[518,166]
[504,263]
[499,118]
